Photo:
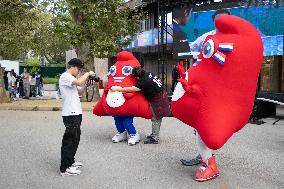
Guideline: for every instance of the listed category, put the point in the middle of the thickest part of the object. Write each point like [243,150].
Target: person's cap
[76,62]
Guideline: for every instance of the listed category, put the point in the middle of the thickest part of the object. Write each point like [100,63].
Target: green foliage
[33,63]
[48,80]
[50,27]
[17,25]
[55,109]
[36,108]
[47,42]
[101,26]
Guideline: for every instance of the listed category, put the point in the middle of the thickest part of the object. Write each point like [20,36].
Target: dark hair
[138,72]
[220,11]
[75,62]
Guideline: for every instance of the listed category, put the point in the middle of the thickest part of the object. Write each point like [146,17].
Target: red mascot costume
[216,95]
[123,106]
[117,103]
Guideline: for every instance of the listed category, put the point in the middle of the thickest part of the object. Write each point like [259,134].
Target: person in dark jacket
[153,90]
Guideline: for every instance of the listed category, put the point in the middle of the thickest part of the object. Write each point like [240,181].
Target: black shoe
[151,140]
[150,136]
[191,162]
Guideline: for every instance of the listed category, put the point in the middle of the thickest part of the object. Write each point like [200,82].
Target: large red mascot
[216,95]
[117,103]
[123,106]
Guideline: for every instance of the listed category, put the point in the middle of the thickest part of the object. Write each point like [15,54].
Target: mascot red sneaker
[117,103]
[216,95]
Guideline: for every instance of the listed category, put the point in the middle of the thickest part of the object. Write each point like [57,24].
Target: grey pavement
[31,141]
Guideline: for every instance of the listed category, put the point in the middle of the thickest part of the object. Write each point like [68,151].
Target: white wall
[70,54]
[101,68]
[9,64]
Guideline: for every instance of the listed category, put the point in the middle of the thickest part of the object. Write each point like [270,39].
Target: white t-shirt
[11,80]
[70,97]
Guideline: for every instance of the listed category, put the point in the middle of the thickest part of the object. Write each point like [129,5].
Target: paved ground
[39,105]
[30,155]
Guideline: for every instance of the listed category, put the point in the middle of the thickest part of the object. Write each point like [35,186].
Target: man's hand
[91,73]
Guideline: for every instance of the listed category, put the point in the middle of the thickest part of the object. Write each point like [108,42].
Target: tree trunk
[4,96]
[84,54]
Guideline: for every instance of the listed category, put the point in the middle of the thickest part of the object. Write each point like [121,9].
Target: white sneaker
[119,137]
[71,171]
[133,139]
[77,164]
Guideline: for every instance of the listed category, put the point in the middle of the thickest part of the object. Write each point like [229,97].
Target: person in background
[20,86]
[26,82]
[33,86]
[5,78]
[175,73]
[12,85]
[153,90]
[13,73]
[175,76]
[38,84]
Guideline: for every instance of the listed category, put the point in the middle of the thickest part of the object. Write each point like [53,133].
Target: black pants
[174,83]
[70,141]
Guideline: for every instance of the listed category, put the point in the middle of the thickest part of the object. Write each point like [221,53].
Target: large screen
[149,38]
[269,20]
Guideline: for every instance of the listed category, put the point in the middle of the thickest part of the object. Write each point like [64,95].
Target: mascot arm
[128,95]
[98,108]
[192,89]
[185,85]
[181,71]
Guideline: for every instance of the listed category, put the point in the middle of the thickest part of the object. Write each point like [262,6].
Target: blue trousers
[123,123]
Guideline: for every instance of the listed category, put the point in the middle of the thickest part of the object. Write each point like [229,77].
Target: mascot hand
[181,71]
[185,84]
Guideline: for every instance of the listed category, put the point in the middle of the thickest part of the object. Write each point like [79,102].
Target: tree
[97,28]
[17,25]
[34,65]
[47,42]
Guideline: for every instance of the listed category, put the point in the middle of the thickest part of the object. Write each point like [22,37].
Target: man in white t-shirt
[70,89]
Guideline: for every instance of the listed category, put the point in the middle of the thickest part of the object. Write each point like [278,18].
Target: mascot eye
[208,49]
[112,70]
[127,70]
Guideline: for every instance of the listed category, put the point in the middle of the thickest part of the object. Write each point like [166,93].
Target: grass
[49,80]
[35,108]
[55,109]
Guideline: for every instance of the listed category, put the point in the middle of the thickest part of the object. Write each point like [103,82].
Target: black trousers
[70,141]
[174,83]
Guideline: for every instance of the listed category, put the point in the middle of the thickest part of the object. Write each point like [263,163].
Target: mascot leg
[128,125]
[203,150]
[134,137]
[208,170]
[121,132]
